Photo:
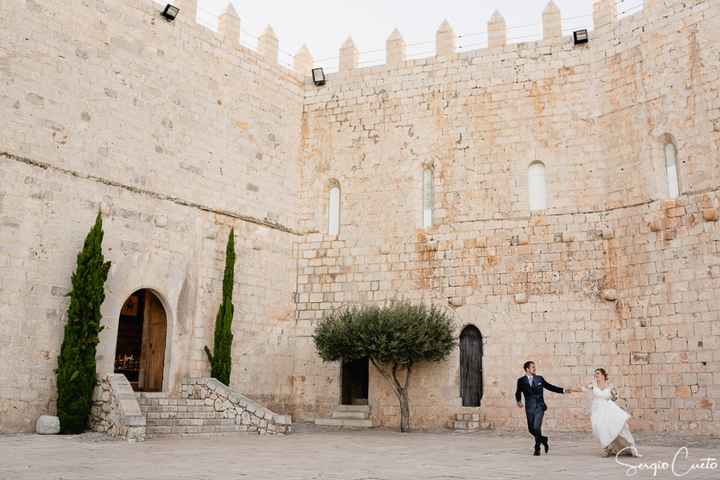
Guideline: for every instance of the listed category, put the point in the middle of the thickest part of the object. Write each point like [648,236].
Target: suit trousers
[535,414]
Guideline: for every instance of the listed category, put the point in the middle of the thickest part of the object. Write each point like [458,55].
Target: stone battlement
[561,199]
[604,16]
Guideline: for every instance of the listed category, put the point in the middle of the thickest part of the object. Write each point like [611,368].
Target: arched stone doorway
[471,380]
[140,348]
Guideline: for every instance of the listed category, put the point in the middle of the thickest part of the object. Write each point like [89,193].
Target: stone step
[186,415]
[170,401]
[350,414]
[464,426]
[344,422]
[175,408]
[353,408]
[200,414]
[196,422]
[160,430]
[172,408]
[467,417]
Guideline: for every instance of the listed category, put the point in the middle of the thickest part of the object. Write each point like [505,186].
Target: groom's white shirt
[530,379]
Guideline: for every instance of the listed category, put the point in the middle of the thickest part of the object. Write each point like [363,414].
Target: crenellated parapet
[497,31]
[445,40]
[303,61]
[349,56]
[552,22]
[269,45]
[229,26]
[604,17]
[396,49]
[604,14]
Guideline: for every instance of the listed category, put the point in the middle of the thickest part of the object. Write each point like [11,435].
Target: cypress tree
[76,375]
[221,359]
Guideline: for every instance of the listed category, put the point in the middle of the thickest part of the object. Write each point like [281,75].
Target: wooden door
[152,357]
[471,383]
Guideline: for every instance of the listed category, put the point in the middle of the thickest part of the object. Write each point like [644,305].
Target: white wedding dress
[609,422]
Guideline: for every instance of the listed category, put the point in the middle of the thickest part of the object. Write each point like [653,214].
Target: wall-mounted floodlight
[318,76]
[170,12]
[580,36]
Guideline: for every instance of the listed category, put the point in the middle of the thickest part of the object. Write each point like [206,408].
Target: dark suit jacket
[534,395]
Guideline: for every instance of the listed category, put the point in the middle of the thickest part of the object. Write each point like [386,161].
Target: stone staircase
[352,416]
[165,415]
[469,422]
[206,406]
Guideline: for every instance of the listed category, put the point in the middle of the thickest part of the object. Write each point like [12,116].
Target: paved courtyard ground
[346,455]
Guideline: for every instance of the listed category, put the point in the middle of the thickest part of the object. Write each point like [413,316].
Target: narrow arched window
[536,186]
[671,170]
[427,198]
[471,353]
[334,210]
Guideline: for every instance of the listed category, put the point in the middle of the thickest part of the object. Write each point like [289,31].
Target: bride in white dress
[609,422]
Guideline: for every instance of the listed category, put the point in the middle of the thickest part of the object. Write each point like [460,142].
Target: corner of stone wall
[115,409]
[246,411]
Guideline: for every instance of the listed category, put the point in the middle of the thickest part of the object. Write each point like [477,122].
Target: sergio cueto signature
[679,466]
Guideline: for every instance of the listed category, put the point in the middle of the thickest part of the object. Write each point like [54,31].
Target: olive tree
[395,338]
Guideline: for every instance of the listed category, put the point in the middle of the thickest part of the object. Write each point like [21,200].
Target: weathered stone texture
[176,136]
[115,409]
[47,425]
[608,275]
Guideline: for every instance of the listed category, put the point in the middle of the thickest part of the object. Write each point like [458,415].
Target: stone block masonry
[177,134]
[116,411]
[206,406]
[609,274]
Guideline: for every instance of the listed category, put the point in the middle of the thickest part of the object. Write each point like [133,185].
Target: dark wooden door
[471,384]
[152,359]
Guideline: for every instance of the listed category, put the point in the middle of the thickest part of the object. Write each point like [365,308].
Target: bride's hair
[604,373]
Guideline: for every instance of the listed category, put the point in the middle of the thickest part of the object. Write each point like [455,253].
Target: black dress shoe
[545,444]
[537,452]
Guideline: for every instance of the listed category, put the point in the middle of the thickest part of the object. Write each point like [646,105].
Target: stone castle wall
[609,274]
[176,134]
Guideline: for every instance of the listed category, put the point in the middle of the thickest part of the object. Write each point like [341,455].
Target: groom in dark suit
[532,386]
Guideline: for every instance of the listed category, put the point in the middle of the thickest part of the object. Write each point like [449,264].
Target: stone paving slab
[329,455]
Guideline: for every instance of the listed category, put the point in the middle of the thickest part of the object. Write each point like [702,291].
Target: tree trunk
[400,389]
[404,411]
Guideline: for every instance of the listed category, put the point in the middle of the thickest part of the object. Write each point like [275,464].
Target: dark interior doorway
[355,382]
[471,378]
[140,348]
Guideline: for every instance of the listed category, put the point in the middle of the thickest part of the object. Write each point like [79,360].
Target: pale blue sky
[325,24]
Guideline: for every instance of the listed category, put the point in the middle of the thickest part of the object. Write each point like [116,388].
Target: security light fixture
[580,36]
[170,12]
[318,76]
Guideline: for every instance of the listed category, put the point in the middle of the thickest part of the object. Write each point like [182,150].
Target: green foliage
[394,338]
[400,334]
[76,375]
[221,359]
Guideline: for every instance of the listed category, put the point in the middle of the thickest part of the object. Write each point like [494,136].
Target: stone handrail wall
[115,409]
[246,411]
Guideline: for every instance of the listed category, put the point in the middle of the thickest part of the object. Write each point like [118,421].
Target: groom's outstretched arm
[517,392]
[552,388]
